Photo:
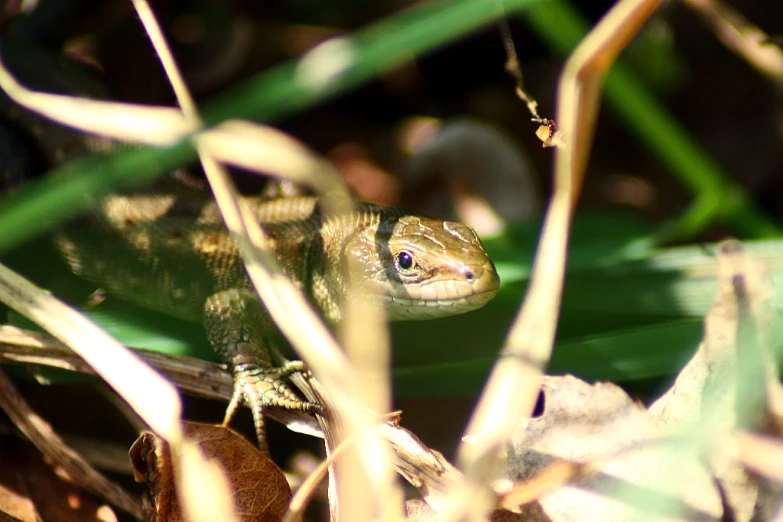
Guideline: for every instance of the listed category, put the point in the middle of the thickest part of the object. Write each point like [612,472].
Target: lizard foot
[239,328]
[262,388]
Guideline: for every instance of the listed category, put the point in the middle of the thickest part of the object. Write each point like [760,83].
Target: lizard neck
[319,253]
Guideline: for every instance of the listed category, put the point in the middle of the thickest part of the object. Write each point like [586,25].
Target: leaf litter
[695,454]
[260,490]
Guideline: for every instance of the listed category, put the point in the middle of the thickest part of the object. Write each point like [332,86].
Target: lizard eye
[405,260]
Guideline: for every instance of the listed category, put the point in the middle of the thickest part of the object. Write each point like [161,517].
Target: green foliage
[716,196]
[629,311]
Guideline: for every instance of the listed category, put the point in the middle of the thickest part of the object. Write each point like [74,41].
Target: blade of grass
[512,390]
[622,356]
[561,26]
[369,52]
[43,204]
[676,282]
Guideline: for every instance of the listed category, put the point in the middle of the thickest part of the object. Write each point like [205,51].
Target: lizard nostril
[469,276]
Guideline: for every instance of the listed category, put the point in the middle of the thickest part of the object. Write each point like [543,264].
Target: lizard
[169,251]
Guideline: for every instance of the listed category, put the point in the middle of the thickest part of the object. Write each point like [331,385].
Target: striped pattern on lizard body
[169,251]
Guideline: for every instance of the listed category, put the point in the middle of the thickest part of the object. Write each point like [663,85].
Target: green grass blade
[677,282]
[561,26]
[623,355]
[41,205]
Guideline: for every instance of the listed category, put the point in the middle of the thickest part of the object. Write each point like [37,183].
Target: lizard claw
[262,388]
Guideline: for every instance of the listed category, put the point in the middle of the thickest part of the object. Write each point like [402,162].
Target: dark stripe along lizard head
[428,268]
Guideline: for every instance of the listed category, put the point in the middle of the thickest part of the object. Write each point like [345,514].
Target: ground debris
[595,454]
[260,490]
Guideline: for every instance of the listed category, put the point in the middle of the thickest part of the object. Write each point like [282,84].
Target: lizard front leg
[238,325]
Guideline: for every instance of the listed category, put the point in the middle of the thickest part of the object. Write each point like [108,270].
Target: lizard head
[425,268]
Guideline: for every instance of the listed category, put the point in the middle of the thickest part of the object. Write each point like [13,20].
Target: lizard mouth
[444,296]
[405,309]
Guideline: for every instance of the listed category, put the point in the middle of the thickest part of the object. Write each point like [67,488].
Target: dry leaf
[549,135]
[417,510]
[734,362]
[595,455]
[261,492]
[606,445]
[151,461]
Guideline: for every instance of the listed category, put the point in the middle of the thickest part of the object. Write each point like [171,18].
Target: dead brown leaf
[260,490]
[731,382]
[594,454]
[590,448]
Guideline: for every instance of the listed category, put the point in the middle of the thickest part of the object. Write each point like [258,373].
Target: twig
[547,131]
[426,469]
[50,444]
[742,37]
[513,386]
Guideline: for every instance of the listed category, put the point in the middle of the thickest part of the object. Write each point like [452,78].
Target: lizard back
[170,251]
